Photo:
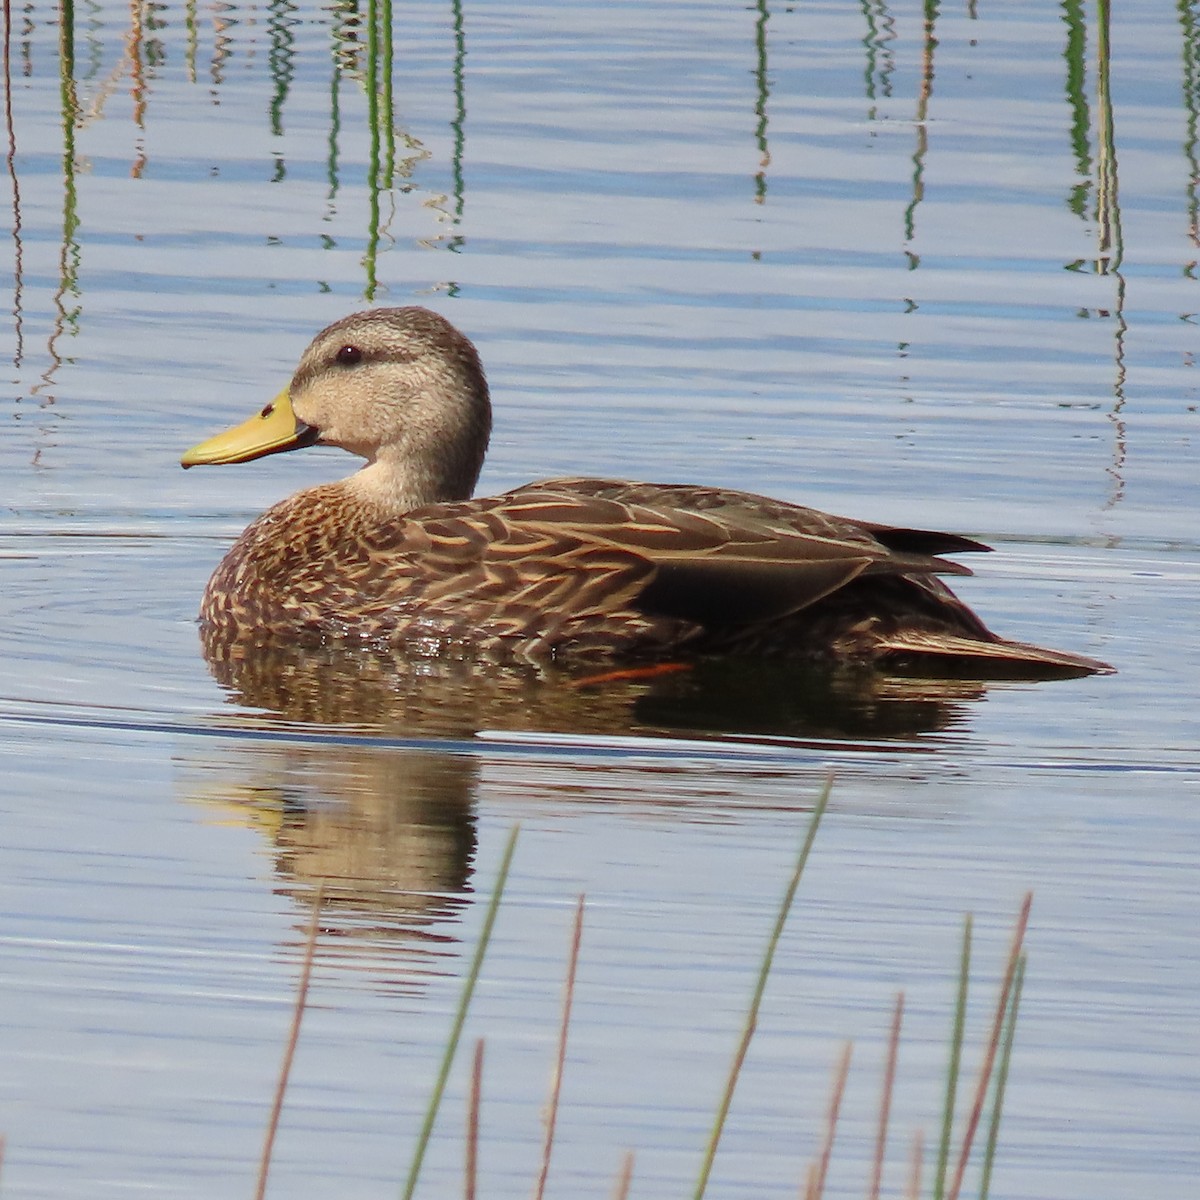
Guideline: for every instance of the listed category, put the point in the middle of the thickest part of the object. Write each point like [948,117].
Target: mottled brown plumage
[564,570]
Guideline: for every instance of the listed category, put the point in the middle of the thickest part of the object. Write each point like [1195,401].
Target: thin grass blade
[739,1057]
[474,1102]
[989,1057]
[817,1176]
[460,1016]
[914,1167]
[561,1056]
[1010,1031]
[885,1100]
[956,1040]
[624,1176]
[289,1052]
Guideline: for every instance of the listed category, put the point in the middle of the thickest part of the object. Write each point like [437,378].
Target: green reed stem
[460,1015]
[387,96]
[1010,1031]
[756,1002]
[956,1040]
[993,1043]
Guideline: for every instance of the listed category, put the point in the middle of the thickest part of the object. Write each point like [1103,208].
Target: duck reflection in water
[382,693]
[388,833]
[357,774]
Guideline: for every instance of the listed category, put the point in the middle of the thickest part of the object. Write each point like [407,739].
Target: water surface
[826,253]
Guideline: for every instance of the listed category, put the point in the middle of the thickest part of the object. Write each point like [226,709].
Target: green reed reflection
[361,39]
[762,95]
[1189,26]
[153,47]
[1110,248]
[136,52]
[331,160]
[1107,210]
[70,256]
[344,52]
[928,46]
[192,44]
[386,97]
[371,254]
[93,28]
[880,60]
[280,59]
[11,161]
[223,27]
[458,124]
[1075,55]
[381,126]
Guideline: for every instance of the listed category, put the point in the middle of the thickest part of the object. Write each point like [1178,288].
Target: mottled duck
[567,570]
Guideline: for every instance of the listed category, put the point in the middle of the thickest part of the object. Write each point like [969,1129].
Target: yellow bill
[275,429]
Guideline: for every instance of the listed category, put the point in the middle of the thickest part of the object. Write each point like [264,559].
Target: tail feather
[933,649]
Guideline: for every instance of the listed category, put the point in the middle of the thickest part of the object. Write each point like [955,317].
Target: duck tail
[931,652]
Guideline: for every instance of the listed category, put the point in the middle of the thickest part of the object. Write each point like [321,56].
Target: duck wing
[751,510]
[716,557]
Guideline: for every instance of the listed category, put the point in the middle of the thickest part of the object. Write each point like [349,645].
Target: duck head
[400,387]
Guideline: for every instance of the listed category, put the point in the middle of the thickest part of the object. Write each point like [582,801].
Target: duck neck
[396,489]
[437,457]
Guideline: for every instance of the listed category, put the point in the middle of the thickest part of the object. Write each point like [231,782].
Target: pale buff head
[405,390]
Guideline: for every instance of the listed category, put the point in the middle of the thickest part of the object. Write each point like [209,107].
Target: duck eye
[348,356]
